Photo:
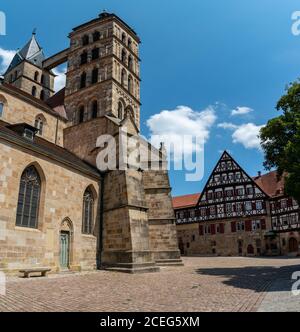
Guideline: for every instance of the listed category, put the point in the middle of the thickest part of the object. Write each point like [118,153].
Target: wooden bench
[42,270]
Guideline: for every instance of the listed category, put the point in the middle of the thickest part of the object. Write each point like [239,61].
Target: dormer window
[29,134]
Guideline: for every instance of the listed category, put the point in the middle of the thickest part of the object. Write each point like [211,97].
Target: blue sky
[203,55]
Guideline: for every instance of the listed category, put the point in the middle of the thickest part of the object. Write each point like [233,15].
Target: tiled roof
[185,201]
[57,101]
[52,150]
[270,184]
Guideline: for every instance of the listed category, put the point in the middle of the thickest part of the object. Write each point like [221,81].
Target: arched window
[124,55]
[94,109]
[43,79]
[123,77]
[124,37]
[81,114]
[96,36]
[120,110]
[130,62]
[42,95]
[85,40]
[95,53]
[16,74]
[95,73]
[83,58]
[36,76]
[1,109]
[33,91]
[129,43]
[83,81]
[39,124]
[29,198]
[130,111]
[130,84]
[88,209]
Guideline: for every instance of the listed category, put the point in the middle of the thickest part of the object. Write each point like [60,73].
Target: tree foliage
[281,140]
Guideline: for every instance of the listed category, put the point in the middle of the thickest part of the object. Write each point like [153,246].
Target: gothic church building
[57,209]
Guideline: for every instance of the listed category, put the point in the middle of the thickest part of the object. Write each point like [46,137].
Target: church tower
[103,75]
[27,73]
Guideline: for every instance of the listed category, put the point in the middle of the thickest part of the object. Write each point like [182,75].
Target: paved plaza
[203,284]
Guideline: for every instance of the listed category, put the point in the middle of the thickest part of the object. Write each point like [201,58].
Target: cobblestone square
[203,284]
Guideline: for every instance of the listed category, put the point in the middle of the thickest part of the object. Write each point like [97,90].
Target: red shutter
[248,225]
[233,227]
[264,205]
[201,230]
[253,206]
[289,202]
[222,228]
[263,224]
[213,229]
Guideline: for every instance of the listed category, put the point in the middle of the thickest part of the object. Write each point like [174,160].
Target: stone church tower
[103,95]
[133,221]
[27,72]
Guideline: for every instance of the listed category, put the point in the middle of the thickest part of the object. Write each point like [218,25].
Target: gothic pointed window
[123,56]
[29,198]
[81,114]
[120,111]
[88,209]
[130,62]
[129,43]
[39,124]
[96,36]
[33,91]
[123,77]
[130,84]
[94,109]
[95,53]
[95,74]
[123,38]
[83,58]
[83,80]
[1,109]
[85,40]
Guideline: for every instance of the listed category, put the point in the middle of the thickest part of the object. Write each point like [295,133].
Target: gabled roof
[31,52]
[225,158]
[185,201]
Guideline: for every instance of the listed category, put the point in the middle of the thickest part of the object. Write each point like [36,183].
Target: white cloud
[177,128]
[5,59]
[227,125]
[241,111]
[60,79]
[246,134]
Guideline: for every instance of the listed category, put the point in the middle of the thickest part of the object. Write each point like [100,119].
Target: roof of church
[57,103]
[186,201]
[47,148]
[35,101]
[31,52]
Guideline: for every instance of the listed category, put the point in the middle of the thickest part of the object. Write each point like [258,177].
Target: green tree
[281,140]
